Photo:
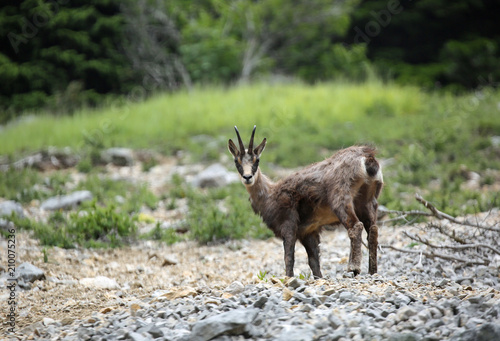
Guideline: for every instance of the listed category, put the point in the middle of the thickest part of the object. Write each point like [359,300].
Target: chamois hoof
[355,272]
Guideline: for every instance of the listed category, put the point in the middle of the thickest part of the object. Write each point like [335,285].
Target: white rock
[235,288]
[48,321]
[100,282]
[215,175]
[9,206]
[66,201]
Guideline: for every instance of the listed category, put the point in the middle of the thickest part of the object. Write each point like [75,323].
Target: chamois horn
[250,145]
[242,147]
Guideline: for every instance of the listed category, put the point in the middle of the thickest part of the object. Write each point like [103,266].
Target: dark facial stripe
[255,165]
[238,166]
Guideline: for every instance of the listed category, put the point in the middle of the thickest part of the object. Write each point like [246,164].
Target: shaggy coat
[341,189]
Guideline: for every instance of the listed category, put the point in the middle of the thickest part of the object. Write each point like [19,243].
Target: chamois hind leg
[367,213]
[289,240]
[311,244]
[347,216]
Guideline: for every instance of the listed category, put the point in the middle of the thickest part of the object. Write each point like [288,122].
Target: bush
[94,227]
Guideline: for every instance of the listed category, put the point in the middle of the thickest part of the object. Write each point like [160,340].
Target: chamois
[343,188]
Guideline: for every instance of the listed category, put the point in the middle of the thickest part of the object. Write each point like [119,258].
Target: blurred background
[419,79]
[61,55]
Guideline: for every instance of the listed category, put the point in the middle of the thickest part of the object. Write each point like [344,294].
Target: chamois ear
[260,148]
[232,148]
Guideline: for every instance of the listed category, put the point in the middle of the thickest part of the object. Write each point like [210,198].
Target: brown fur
[341,188]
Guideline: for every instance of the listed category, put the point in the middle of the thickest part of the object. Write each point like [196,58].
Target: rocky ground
[237,290]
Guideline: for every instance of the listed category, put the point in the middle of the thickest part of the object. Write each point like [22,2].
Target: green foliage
[19,185]
[106,190]
[60,55]
[168,236]
[94,227]
[101,227]
[262,275]
[223,213]
[431,43]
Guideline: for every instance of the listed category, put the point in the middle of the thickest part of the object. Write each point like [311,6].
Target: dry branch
[452,247]
[437,255]
[441,215]
[458,239]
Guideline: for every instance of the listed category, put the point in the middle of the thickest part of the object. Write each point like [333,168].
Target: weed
[101,226]
[262,275]
[45,255]
[168,235]
[305,277]
[148,164]
[20,185]
[84,165]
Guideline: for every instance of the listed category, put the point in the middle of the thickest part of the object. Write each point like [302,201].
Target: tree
[152,45]
[60,53]
[431,43]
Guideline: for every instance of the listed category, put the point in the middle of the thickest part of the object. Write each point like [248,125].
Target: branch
[447,234]
[453,247]
[437,255]
[441,215]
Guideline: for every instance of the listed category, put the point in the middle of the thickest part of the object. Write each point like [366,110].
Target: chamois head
[247,160]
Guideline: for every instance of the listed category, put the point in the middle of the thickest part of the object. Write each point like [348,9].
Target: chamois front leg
[354,227]
[372,249]
[367,213]
[289,239]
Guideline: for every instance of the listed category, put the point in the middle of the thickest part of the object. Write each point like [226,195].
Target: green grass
[431,140]
[168,121]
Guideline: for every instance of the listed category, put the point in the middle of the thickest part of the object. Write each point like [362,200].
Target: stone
[8,207]
[287,294]
[137,337]
[48,321]
[404,336]
[29,273]
[66,201]
[346,296]
[169,260]
[179,293]
[118,156]
[297,333]
[215,175]
[100,282]
[260,302]
[235,288]
[294,283]
[233,322]
[485,332]
[335,321]
[405,313]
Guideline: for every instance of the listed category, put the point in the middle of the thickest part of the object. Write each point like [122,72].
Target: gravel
[408,305]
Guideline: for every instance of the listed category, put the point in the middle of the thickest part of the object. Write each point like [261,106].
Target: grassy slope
[169,120]
[427,136]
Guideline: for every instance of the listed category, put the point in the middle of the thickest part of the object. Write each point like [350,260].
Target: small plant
[171,204]
[101,226]
[262,275]
[85,165]
[45,255]
[305,277]
[148,164]
[166,235]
